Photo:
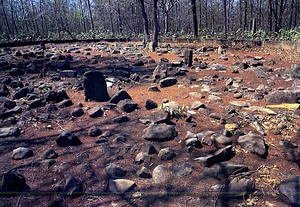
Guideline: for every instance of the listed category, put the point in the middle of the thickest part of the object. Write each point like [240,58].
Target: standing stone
[95,88]
[188,57]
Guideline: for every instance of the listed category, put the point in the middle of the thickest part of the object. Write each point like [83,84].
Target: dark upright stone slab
[95,88]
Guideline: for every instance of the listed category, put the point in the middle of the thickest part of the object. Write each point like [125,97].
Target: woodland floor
[180,191]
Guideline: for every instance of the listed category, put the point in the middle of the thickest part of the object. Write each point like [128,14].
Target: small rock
[67,139]
[142,157]
[49,154]
[121,119]
[68,73]
[121,185]
[65,103]
[13,182]
[150,104]
[160,174]
[9,131]
[253,142]
[238,187]
[159,132]
[120,95]
[22,153]
[73,187]
[77,112]
[128,105]
[95,112]
[183,169]
[166,82]
[115,171]
[143,172]
[166,154]
[94,131]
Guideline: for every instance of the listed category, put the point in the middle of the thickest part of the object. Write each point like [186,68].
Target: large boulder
[289,189]
[253,143]
[95,88]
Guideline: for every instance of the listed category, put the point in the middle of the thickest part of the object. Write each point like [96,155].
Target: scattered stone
[128,105]
[286,96]
[166,154]
[167,82]
[9,131]
[121,119]
[154,89]
[67,139]
[21,93]
[95,88]
[94,131]
[13,182]
[22,153]
[77,112]
[159,133]
[183,169]
[49,154]
[240,104]
[121,185]
[196,105]
[160,174]
[295,73]
[160,72]
[238,187]
[43,163]
[221,155]
[65,103]
[120,95]
[222,139]
[289,189]
[95,112]
[150,104]
[68,73]
[222,171]
[143,172]
[73,187]
[142,157]
[115,171]
[253,143]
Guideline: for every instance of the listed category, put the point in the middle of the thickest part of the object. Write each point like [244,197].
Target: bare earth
[87,161]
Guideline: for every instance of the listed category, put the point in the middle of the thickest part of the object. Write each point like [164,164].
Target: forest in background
[26,20]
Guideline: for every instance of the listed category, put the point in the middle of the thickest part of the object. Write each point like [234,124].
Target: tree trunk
[155,29]
[195,22]
[225,17]
[145,20]
[91,15]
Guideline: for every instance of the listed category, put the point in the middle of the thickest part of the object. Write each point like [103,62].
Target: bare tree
[195,21]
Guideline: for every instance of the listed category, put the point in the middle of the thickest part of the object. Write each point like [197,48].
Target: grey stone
[183,169]
[289,189]
[121,119]
[253,143]
[95,112]
[159,132]
[150,104]
[120,186]
[166,154]
[94,131]
[37,103]
[65,103]
[160,174]
[67,139]
[142,157]
[21,93]
[43,163]
[238,187]
[286,96]
[22,153]
[205,137]
[222,139]
[143,172]
[95,88]
[154,89]
[159,117]
[160,72]
[77,112]
[49,154]
[13,182]
[9,131]
[115,171]
[295,73]
[166,82]
[196,105]
[221,155]
[56,96]
[68,73]
[120,95]
[188,57]
[128,105]
[222,171]
[73,187]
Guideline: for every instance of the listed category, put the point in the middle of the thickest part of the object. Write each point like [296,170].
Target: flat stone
[167,82]
[221,155]
[128,105]
[253,143]
[238,187]
[9,131]
[289,189]
[68,73]
[183,169]
[196,105]
[159,133]
[121,185]
[115,171]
